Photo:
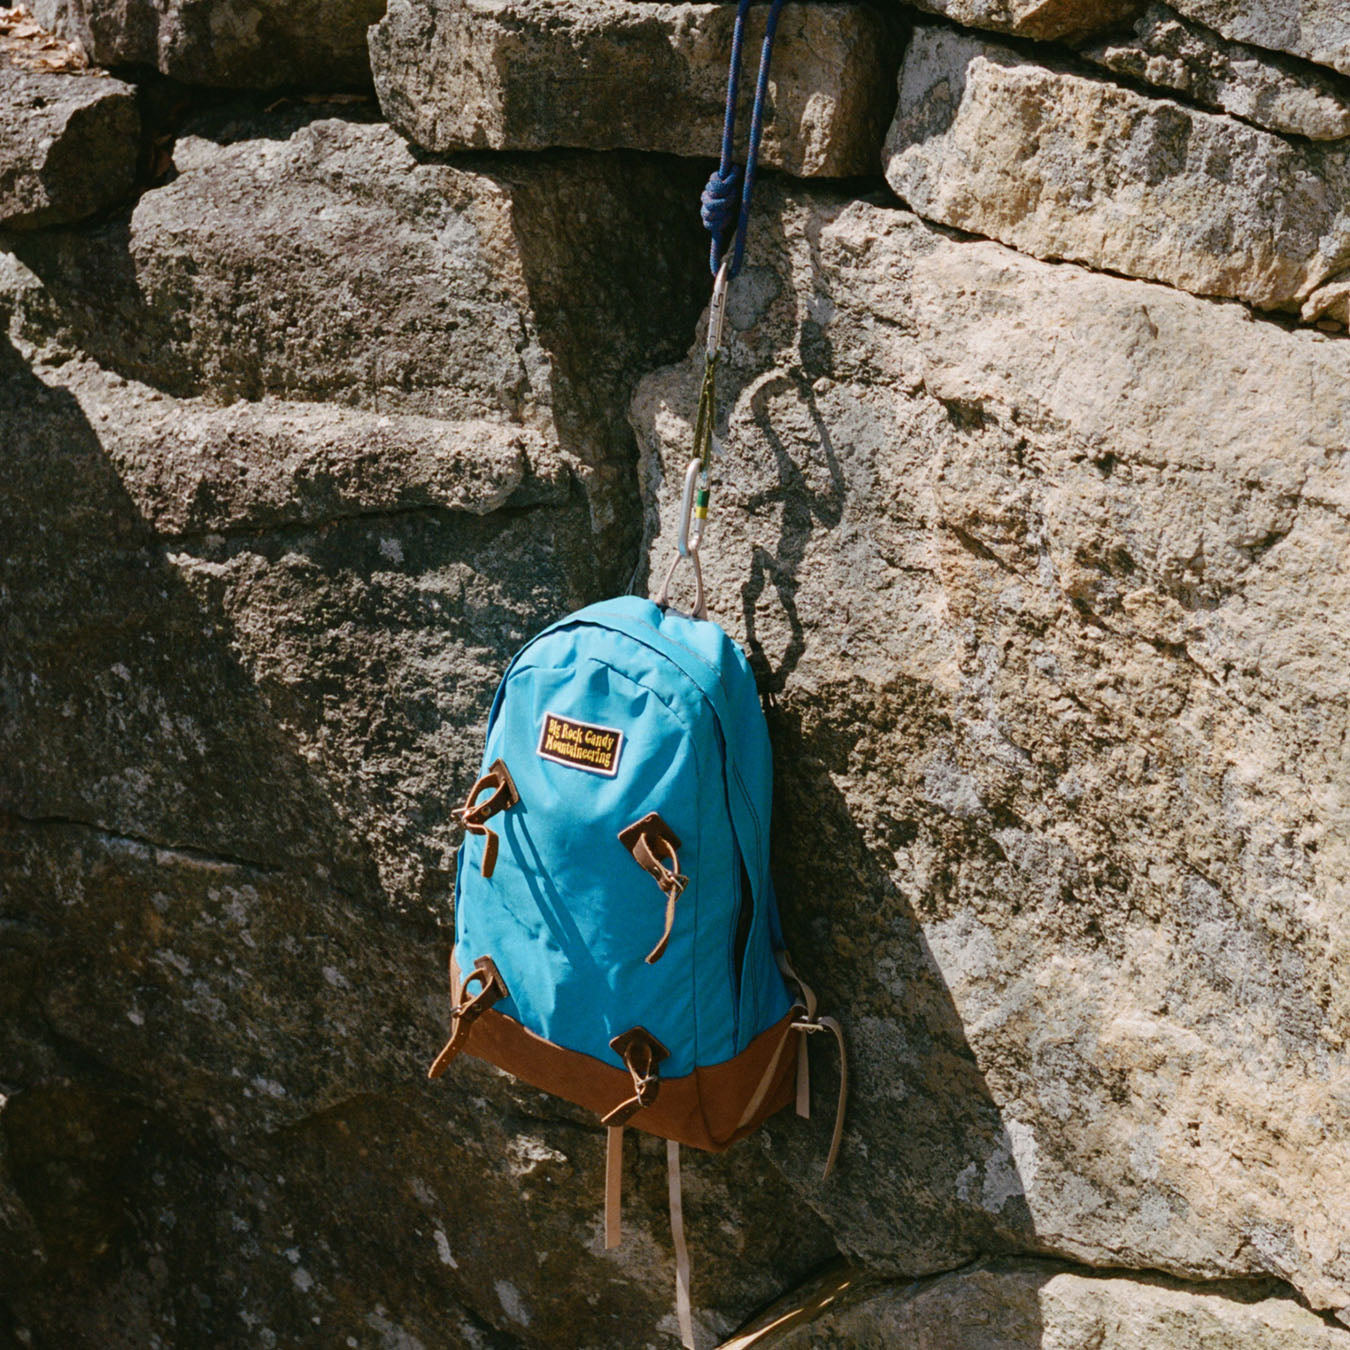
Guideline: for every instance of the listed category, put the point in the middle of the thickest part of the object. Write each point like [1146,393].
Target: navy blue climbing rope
[728,188]
[728,180]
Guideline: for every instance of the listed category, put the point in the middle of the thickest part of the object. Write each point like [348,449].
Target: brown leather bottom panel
[710,1108]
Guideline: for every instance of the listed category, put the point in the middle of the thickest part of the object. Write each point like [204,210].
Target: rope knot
[720,199]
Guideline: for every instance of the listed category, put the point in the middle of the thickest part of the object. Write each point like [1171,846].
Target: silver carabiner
[682,537]
[717,310]
[687,540]
[700,610]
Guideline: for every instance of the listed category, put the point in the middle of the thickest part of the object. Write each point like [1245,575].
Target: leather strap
[642,1054]
[649,840]
[684,1309]
[474,813]
[466,1012]
[613,1185]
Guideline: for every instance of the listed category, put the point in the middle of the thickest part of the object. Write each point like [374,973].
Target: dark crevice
[981,550]
[129,839]
[850,1284]
[423,511]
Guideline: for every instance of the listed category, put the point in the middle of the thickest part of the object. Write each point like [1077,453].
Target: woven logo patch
[580,745]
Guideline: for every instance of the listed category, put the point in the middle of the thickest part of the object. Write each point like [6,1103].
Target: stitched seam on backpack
[669,706]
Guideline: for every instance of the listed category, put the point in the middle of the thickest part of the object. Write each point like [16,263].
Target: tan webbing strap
[684,1308]
[613,1185]
[803,1079]
[807,999]
[808,995]
[831,1025]
[474,813]
[806,1025]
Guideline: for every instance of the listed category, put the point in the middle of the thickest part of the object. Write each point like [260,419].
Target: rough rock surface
[1288,97]
[615,74]
[284,1125]
[1316,29]
[1035,18]
[1026,1305]
[396,340]
[1042,569]
[1329,304]
[1063,166]
[298,453]
[245,44]
[68,145]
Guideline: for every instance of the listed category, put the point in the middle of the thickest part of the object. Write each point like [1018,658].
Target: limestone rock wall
[342,349]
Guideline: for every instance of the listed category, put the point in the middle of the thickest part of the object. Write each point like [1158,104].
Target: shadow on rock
[209,975]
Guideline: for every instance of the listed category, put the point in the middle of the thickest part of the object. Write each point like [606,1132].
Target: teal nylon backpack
[617,939]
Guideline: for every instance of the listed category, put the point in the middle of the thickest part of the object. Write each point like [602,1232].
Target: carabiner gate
[683,540]
[717,311]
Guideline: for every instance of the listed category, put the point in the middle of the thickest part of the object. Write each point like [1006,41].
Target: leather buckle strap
[642,1055]
[808,1024]
[474,813]
[649,840]
[467,1011]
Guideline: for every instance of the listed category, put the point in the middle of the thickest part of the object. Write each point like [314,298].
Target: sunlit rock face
[514,75]
[1042,570]
[238,44]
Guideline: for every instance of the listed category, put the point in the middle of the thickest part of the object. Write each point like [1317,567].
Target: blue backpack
[617,939]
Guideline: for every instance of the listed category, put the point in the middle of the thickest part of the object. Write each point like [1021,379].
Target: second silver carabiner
[682,538]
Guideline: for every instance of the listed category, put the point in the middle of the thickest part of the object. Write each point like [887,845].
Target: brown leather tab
[649,840]
[650,826]
[466,1012]
[474,813]
[642,1055]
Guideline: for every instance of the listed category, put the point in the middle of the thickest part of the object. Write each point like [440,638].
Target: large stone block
[333,265]
[317,348]
[1274,91]
[257,44]
[1042,570]
[1063,166]
[68,145]
[613,74]
[1027,1305]
[1316,29]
